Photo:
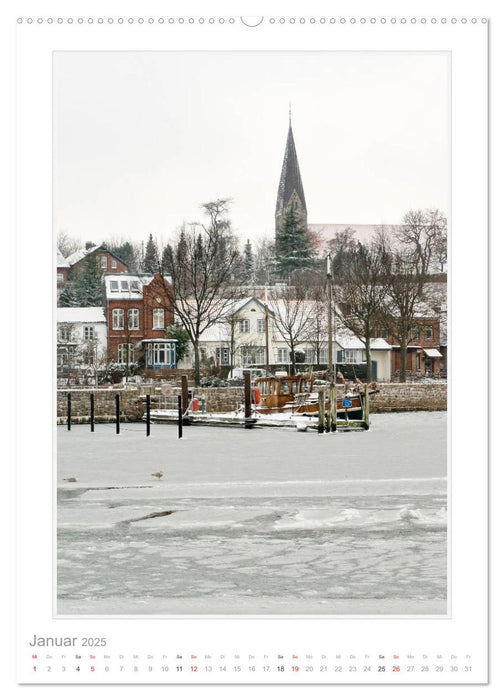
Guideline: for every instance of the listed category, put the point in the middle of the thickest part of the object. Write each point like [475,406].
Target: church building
[290,190]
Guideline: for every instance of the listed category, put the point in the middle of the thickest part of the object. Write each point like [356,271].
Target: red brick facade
[143,316]
[417,360]
[107,262]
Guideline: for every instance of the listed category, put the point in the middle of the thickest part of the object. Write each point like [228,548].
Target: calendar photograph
[251,333]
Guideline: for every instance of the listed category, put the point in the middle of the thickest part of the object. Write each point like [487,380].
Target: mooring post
[321,409]
[185,393]
[366,407]
[327,414]
[334,407]
[148,414]
[248,400]
[92,412]
[180,412]
[117,413]
[69,411]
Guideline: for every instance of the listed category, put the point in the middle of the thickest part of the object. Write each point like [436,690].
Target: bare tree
[423,234]
[360,293]
[202,263]
[408,264]
[67,245]
[294,318]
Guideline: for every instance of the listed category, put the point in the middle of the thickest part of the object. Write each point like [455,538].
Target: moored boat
[283,393]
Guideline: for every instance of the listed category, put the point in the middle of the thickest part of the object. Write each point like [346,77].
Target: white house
[81,340]
[241,339]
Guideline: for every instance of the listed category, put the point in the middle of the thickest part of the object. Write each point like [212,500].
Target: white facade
[81,339]
[240,341]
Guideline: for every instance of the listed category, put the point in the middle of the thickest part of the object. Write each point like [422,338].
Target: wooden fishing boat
[298,393]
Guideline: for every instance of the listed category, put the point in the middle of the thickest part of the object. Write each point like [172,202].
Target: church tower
[290,189]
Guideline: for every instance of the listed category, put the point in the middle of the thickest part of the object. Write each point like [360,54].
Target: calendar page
[255,448]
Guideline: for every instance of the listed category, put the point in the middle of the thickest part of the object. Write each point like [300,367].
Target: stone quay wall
[417,396]
[394,397]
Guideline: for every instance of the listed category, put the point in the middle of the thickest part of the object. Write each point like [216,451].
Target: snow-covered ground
[263,521]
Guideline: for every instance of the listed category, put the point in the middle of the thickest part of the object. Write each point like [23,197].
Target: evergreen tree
[88,288]
[68,296]
[176,331]
[248,261]
[166,260]
[294,248]
[151,257]
[126,253]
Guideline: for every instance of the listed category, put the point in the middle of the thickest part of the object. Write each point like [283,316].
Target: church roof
[290,178]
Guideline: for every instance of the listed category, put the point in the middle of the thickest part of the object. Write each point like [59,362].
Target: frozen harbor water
[263,521]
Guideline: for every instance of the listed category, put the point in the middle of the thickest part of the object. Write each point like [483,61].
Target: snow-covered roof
[61,260]
[80,254]
[363,232]
[80,314]
[351,342]
[126,285]
[218,333]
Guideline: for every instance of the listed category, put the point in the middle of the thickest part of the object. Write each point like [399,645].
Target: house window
[253,355]
[418,361]
[125,353]
[157,319]
[65,357]
[135,286]
[161,354]
[261,325]
[124,286]
[223,356]
[89,332]
[59,279]
[415,335]
[117,319]
[324,356]
[309,355]
[429,335]
[352,357]
[114,286]
[244,325]
[282,354]
[65,332]
[113,264]
[133,319]
[103,262]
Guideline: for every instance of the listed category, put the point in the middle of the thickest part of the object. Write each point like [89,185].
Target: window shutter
[339,356]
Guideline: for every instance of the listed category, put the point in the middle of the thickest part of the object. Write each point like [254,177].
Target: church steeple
[290,189]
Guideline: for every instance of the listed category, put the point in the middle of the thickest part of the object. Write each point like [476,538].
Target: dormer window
[135,286]
[124,286]
[114,286]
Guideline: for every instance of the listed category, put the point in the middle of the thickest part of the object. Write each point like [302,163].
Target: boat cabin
[279,390]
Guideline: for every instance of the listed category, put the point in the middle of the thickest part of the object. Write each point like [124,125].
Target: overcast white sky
[141,139]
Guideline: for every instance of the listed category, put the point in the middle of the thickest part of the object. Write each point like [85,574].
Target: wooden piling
[91,398]
[117,408]
[69,411]
[366,407]
[180,414]
[333,413]
[147,398]
[185,393]
[321,410]
[248,399]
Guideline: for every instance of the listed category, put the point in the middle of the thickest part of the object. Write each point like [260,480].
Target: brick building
[424,355]
[138,311]
[106,261]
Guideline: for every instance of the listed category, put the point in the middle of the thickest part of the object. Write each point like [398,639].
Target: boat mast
[329,320]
